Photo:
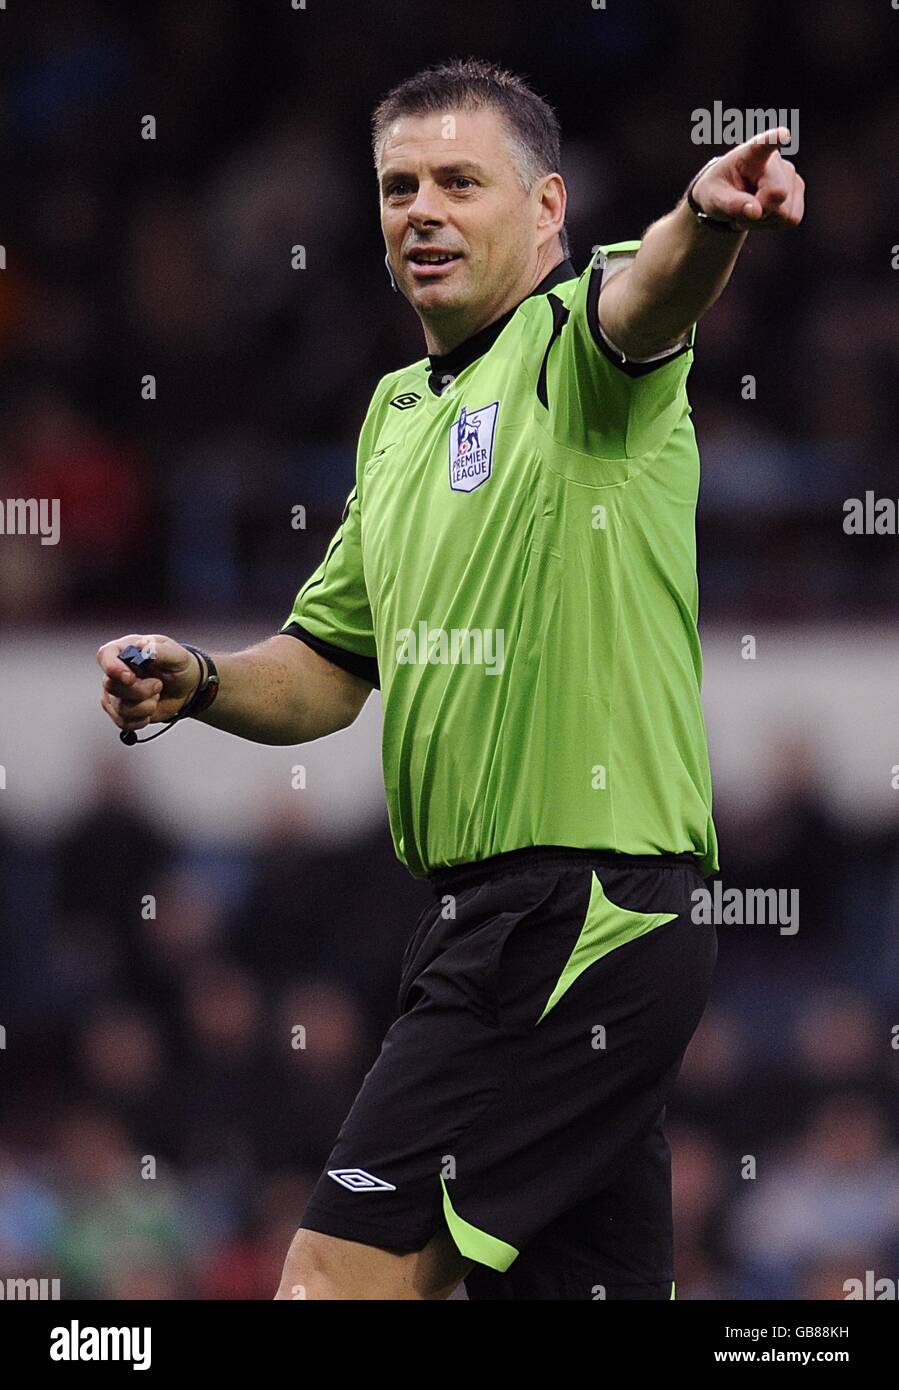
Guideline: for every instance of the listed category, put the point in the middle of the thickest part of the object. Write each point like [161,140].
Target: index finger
[760,148]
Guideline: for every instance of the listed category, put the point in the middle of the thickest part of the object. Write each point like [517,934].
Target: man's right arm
[284,690]
[279,691]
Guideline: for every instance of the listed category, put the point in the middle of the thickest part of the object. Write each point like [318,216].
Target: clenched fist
[133,701]
[753,185]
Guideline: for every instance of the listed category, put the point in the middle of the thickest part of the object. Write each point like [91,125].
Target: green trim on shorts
[672,1290]
[475,1244]
[606,926]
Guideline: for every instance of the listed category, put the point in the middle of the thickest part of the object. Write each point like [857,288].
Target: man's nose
[425,209]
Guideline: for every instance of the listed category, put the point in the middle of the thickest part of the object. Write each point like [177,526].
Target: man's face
[449,184]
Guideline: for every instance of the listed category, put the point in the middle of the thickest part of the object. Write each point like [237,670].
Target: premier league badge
[471,447]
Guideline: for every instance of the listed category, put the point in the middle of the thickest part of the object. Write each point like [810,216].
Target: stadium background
[171,1036]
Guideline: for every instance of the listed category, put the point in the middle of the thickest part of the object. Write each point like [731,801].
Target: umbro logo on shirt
[357,1180]
[406,400]
[471,447]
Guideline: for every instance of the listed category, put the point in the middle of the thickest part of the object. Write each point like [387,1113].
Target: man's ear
[553,197]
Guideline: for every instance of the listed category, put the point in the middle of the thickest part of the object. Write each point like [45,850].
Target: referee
[515,570]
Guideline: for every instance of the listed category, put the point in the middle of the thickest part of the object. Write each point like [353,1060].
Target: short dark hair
[473,84]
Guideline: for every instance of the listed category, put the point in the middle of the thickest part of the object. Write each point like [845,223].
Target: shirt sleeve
[331,613]
[599,401]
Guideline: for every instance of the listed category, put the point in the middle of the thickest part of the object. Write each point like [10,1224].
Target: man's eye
[462,179]
[397,188]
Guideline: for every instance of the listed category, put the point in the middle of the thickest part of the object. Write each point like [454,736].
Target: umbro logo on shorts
[357,1180]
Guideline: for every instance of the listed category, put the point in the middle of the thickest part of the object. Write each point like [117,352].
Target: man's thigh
[326,1267]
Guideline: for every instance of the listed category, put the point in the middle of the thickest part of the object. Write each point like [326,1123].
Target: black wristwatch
[717,224]
[207,689]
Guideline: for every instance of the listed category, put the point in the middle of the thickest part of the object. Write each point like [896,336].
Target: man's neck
[443,336]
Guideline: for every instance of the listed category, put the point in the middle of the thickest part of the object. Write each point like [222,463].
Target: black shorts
[546,1000]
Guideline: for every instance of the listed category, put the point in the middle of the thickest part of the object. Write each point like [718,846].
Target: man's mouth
[428,264]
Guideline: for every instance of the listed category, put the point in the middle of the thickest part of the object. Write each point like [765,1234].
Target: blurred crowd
[211,1018]
[185,1032]
[174,258]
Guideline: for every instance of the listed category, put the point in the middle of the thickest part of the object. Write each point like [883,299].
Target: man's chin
[437,300]
[444,289]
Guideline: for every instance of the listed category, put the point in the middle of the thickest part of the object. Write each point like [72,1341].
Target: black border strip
[357,665]
[634,369]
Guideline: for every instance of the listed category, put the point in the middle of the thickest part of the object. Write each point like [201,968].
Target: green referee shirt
[516,570]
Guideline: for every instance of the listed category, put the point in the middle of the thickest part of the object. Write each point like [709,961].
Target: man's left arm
[683,263]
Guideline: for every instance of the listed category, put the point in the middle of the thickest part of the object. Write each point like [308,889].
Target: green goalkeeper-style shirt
[516,570]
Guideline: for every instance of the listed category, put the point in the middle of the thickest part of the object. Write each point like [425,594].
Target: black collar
[450,364]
